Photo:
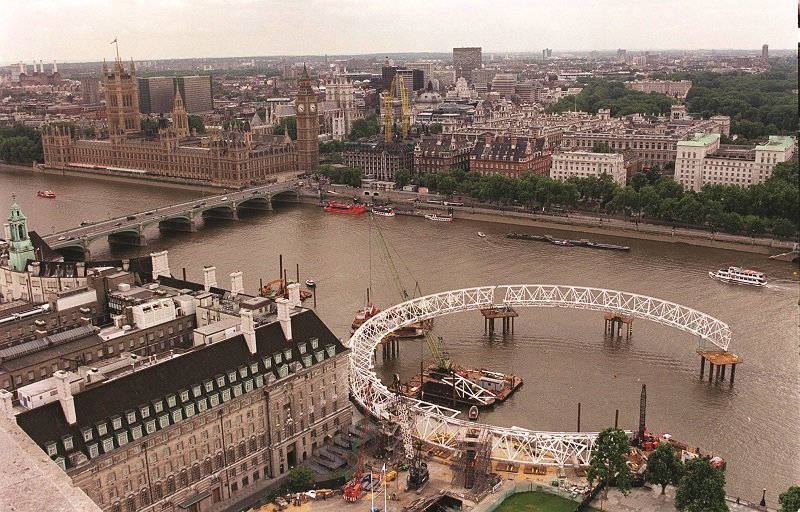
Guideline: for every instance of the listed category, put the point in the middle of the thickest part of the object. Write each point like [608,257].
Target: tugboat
[383,211]
[48,194]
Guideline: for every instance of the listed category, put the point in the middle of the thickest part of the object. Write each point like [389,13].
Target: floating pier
[718,360]
[504,312]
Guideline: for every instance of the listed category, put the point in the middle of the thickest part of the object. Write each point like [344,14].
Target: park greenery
[612,94]
[366,127]
[196,124]
[609,464]
[20,144]
[300,479]
[790,499]
[664,467]
[701,489]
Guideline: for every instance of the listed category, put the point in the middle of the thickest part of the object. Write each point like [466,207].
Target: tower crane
[435,343]
[388,108]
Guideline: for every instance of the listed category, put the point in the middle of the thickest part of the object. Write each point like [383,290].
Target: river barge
[564,242]
[462,386]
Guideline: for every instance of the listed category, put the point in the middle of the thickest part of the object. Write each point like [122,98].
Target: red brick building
[511,155]
[441,153]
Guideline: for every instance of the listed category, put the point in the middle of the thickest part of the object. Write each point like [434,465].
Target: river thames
[562,354]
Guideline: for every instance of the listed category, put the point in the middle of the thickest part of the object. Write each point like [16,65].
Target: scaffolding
[473,465]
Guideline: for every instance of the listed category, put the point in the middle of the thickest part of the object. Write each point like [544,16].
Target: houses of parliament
[225,158]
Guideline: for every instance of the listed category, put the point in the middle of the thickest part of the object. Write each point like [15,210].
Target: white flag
[383,469]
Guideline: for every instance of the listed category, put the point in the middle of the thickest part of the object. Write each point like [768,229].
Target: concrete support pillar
[722,375]
[710,371]
[733,373]
[702,366]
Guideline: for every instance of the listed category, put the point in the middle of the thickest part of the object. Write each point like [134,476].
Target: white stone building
[703,160]
[584,164]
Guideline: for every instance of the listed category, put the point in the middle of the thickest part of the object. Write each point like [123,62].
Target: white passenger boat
[739,275]
[439,218]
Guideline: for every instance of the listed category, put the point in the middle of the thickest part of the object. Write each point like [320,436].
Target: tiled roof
[502,149]
[139,390]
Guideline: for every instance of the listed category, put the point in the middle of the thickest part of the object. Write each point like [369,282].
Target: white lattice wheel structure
[441,426]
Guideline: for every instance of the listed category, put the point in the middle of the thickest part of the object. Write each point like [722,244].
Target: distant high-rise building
[157,94]
[622,55]
[504,84]
[765,52]
[547,53]
[90,90]
[465,60]
[387,74]
[427,70]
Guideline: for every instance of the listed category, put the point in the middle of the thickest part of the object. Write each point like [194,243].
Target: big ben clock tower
[307,125]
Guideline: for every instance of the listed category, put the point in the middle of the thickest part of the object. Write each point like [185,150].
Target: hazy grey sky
[80,30]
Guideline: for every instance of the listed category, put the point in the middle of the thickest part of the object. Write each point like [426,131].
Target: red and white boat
[337,207]
[49,194]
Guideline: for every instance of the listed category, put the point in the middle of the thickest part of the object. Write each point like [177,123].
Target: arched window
[195,472]
[170,484]
[130,504]
[253,444]
[158,492]
[242,450]
[183,478]
[220,462]
[207,467]
[231,455]
[144,497]
[116,507]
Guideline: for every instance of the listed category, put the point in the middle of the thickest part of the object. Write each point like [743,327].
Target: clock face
[301,108]
[313,107]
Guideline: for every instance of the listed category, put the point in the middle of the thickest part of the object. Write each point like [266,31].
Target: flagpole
[372,487]
[384,487]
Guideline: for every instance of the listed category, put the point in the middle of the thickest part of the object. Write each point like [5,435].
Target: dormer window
[302,348]
[226,395]
[259,381]
[267,363]
[122,438]
[220,381]
[196,391]
[150,426]
[232,376]
[94,451]
[248,385]
[177,415]
[136,432]
[86,432]
[237,389]
[314,343]
[202,405]
[171,401]
[184,394]
[283,371]
[242,372]
[188,410]
[158,406]
[213,399]
[307,360]
[144,411]
[163,421]
[330,350]
[320,355]
[287,354]
[102,428]
[108,444]
[277,357]
[208,385]
[130,417]
[50,448]
[253,368]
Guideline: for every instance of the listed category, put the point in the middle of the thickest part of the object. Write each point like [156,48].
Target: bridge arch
[442,426]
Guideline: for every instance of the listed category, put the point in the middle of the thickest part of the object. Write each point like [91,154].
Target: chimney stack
[294,295]
[284,318]
[6,403]
[209,277]
[249,330]
[237,285]
[160,263]
[41,66]
[65,396]
[55,67]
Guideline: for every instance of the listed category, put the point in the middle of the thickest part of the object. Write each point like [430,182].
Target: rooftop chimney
[6,405]
[160,261]
[283,317]
[41,66]
[294,295]
[65,396]
[209,277]
[236,283]
[248,330]
[55,67]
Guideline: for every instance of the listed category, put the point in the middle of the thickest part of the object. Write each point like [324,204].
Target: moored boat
[383,211]
[311,283]
[739,275]
[49,194]
[481,234]
[439,218]
[337,207]
[363,315]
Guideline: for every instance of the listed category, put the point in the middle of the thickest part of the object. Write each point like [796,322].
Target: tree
[196,124]
[638,180]
[783,228]
[300,478]
[366,127]
[664,467]
[790,500]
[402,178]
[435,128]
[608,465]
[287,123]
[601,147]
[149,126]
[701,489]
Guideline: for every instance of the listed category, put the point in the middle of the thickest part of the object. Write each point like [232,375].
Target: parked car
[118,224]
[131,217]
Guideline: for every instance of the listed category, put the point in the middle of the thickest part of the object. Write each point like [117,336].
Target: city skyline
[217,28]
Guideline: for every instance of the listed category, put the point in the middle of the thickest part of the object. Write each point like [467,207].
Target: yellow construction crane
[388,108]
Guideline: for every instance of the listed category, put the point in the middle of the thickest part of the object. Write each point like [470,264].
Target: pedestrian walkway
[652,500]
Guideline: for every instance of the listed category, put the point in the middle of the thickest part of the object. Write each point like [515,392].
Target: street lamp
[763,502]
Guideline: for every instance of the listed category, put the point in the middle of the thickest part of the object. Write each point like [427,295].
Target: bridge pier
[615,322]
[504,312]
[221,213]
[719,361]
[184,225]
[128,238]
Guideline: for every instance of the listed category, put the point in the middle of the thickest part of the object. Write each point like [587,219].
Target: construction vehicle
[354,487]
[388,108]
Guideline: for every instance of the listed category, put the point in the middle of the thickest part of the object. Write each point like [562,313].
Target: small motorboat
[481,234]
[49,194]
[473,413]
[311,283]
